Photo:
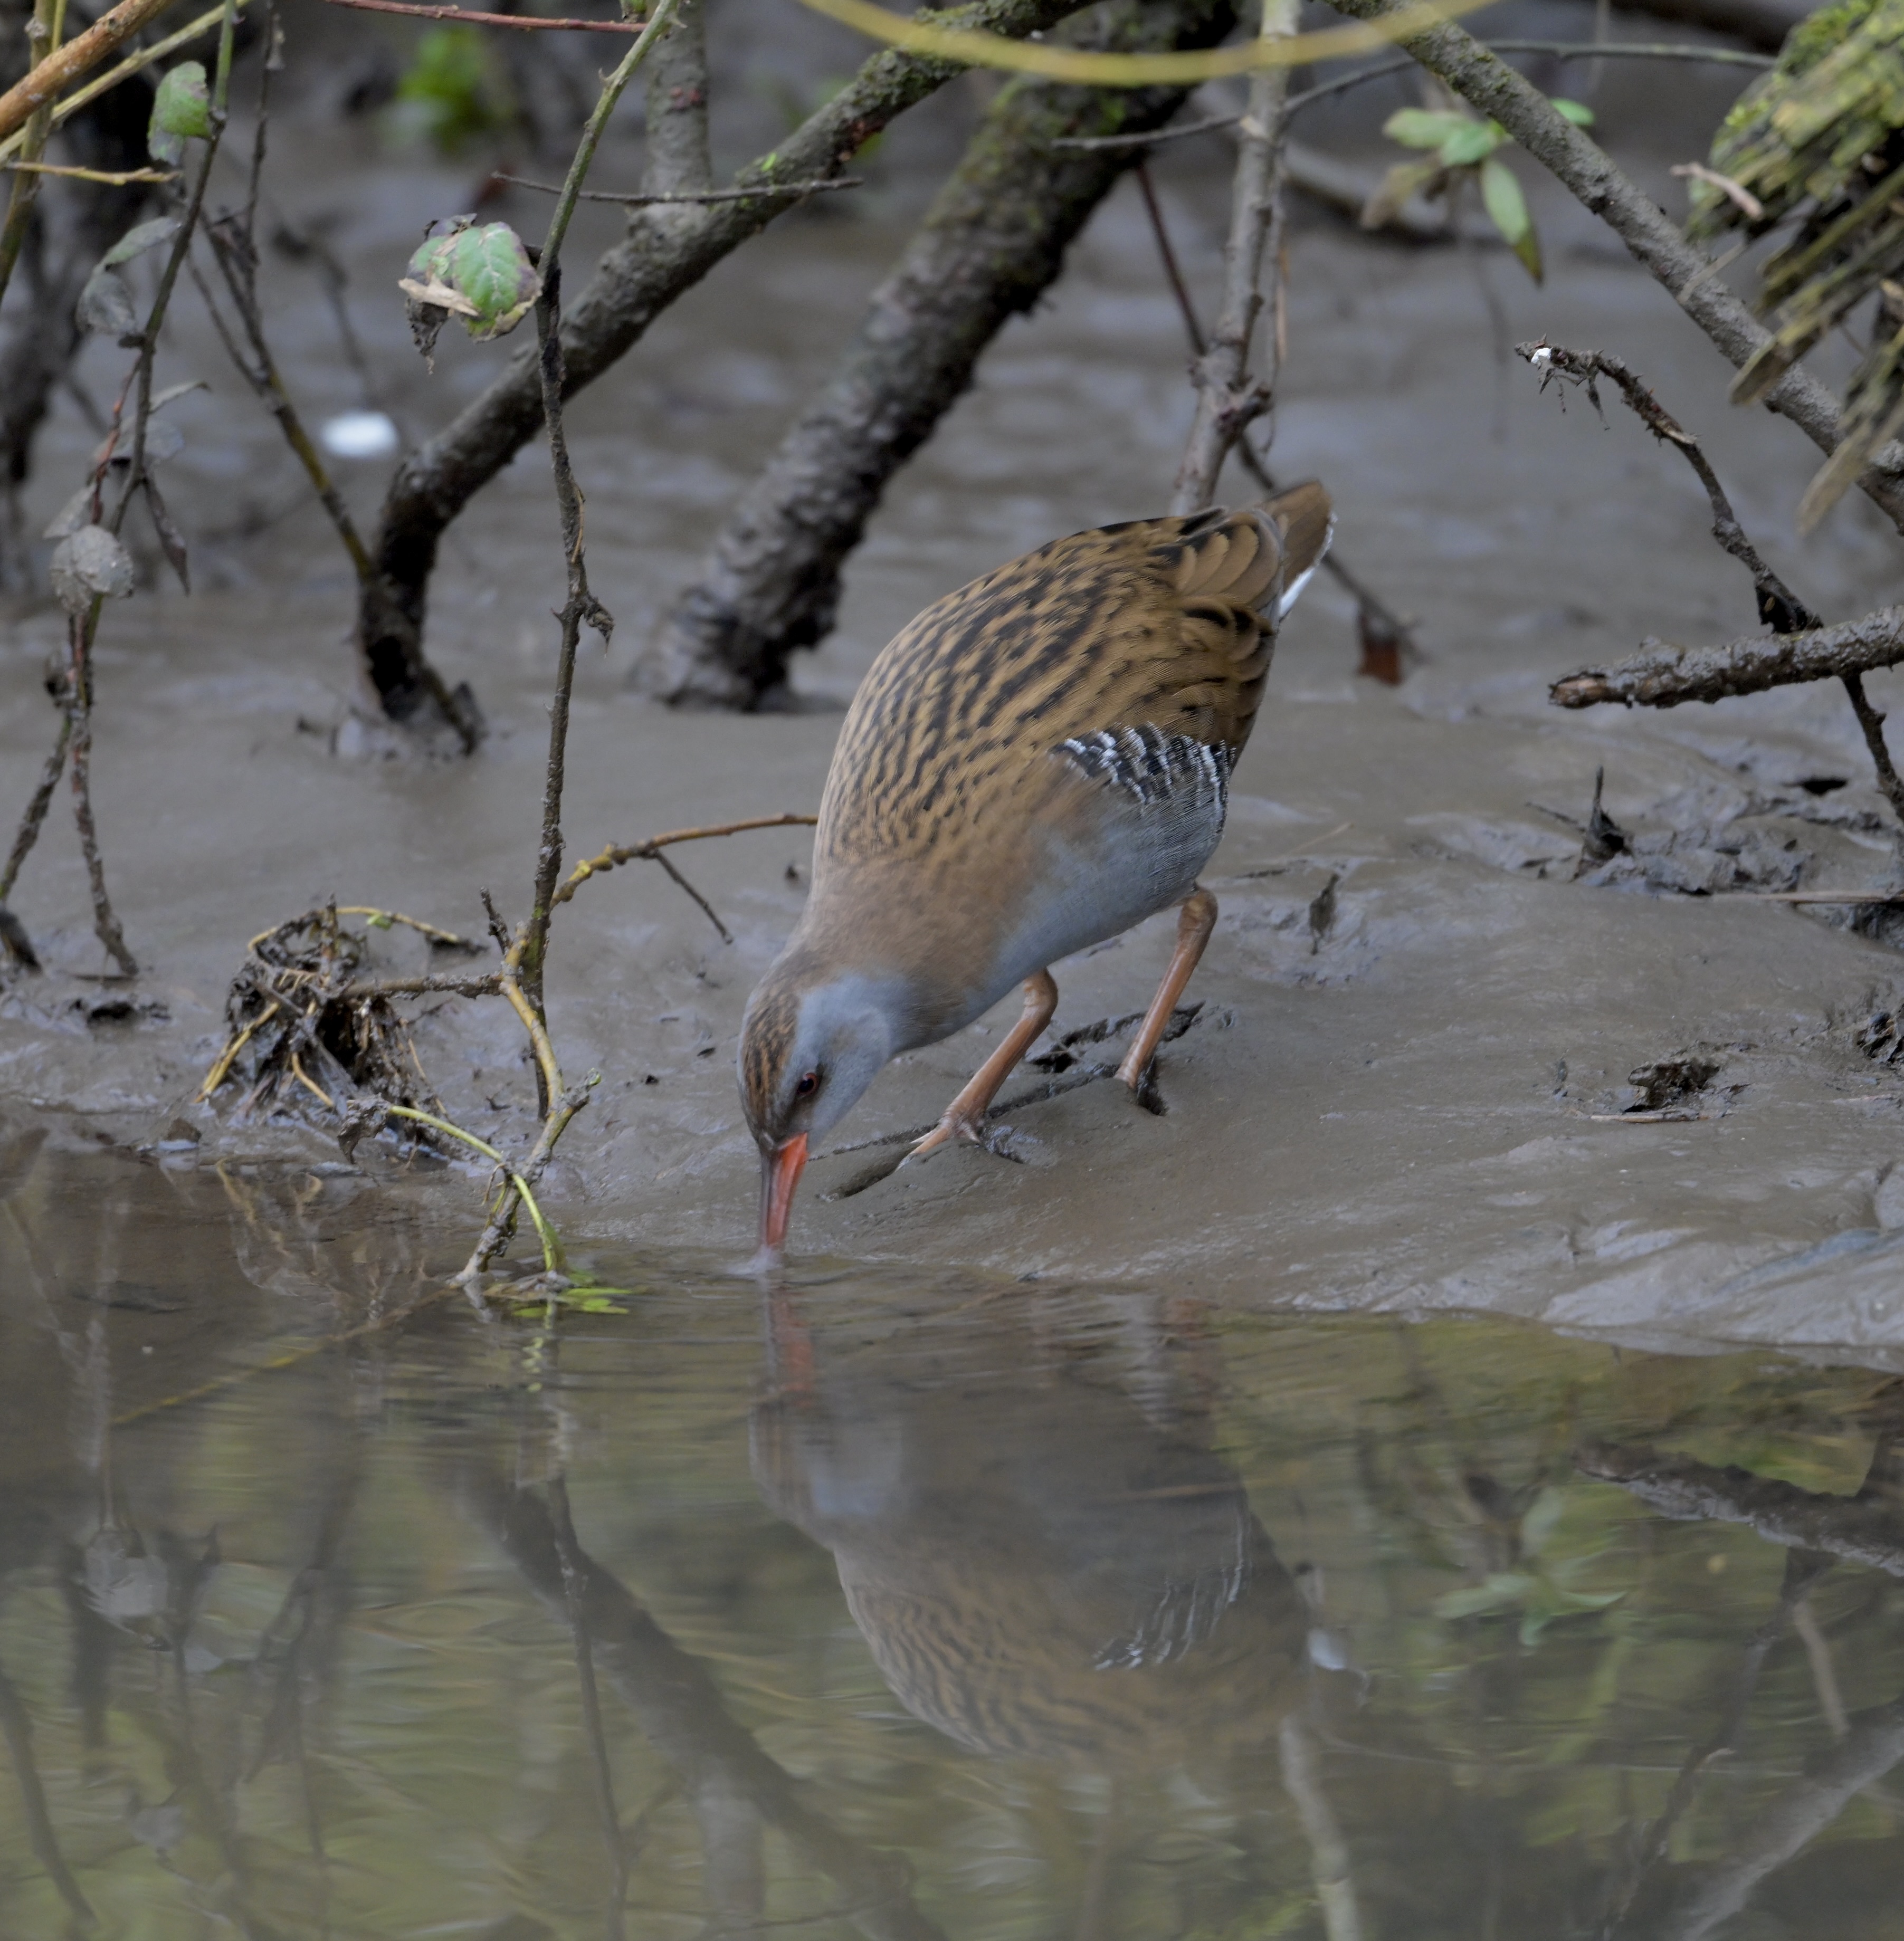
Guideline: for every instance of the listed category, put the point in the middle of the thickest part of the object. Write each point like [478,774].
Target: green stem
[552,1258]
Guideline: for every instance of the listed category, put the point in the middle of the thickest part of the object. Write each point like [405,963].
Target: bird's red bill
[780,1172]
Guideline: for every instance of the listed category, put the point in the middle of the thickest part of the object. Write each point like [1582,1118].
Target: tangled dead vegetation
[311,1030]
[304,1018]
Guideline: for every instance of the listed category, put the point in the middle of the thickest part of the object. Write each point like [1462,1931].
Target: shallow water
[897,1605]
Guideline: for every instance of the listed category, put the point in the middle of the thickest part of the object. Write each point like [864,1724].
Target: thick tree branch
[678,157]
[1874,1745]
[1864,1529]
[1487,83]
[665,252]
[994,241]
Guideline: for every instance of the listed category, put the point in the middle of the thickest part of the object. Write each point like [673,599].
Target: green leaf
[138,239]
[105,305]
[490,267]
[182,108]
[1501,1592]
[1577,112]
[1423,128]
[1507,209]
[1538,1525]
[1472,141]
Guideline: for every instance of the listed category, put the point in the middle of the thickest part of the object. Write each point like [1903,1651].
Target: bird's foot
[1145,1090]
[954,1125]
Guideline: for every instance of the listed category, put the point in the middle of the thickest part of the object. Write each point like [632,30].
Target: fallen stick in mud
[1662,675]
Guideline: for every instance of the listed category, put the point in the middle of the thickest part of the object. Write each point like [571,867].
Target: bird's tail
[1305,519]
[1257,556]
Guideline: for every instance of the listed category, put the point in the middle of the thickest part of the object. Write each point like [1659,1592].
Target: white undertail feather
[1292,594]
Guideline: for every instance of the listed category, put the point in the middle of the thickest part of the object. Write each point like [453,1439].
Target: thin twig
[83,626]
[1871,725]
[529,21]
[713,916]
[1779,607]
[1380,70]
[1488,84]
[580,607]
[1377,622]
[822,187]
[642,852]
[43,37]
[110,178]
[28,831]
[1227,398]
[552,1260]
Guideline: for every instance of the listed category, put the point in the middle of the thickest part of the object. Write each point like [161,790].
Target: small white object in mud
[358,434]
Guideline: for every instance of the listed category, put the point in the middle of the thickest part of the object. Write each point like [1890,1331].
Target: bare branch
[663,254]
[1381,70]
[1662,675]
[530,22]
[1383,631]
[1779,607]
[1227,400]
[818,187]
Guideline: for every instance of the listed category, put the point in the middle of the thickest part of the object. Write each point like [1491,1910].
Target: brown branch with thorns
[1801,647]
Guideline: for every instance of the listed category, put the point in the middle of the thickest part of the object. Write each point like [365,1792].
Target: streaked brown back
[1166,623]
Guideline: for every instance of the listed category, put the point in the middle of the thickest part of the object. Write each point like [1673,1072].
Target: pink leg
[965,1117]
[1195,922]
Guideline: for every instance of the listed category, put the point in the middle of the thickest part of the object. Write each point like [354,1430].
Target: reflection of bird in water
[1039,761]
[1039,1568]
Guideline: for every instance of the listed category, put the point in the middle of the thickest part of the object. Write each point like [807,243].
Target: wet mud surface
[1426,1071]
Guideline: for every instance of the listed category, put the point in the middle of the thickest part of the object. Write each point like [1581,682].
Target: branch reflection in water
[879,1607]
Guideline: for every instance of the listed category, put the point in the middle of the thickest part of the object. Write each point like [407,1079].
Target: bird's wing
[1163,625]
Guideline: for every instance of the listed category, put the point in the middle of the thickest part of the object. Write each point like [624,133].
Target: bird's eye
[809,1084]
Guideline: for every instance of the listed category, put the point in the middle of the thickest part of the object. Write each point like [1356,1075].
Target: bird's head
[814,1038]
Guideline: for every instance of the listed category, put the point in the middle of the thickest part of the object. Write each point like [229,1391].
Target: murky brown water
[897,1605]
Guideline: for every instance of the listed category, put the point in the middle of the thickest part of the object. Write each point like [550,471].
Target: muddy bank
[1409,1085]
